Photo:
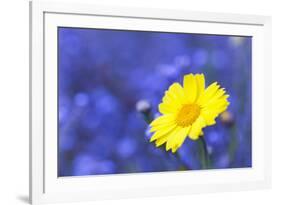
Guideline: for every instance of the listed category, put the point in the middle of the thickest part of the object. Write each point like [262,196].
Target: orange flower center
[187,115]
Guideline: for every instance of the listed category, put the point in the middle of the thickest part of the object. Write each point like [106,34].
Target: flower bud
[227,118]
[143,106]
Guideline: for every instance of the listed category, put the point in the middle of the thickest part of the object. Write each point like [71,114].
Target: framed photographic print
[129,102]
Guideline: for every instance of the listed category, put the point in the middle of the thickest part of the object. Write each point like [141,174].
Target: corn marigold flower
[186,110]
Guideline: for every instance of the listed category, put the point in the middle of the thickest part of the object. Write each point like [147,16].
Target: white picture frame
[46,187]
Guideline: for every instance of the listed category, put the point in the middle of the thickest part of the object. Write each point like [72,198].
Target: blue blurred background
[104,73]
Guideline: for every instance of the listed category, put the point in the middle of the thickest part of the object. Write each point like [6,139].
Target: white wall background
[14,100]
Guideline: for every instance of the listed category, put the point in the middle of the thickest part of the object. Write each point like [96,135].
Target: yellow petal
[219,95]
[217,106]
[163,119]
[165,138]
[177,140]
[165,108]
[177,91]
[196,128]
[190,88]
[208,94]
[162,126]
[161,141]
[174,96]
[209,117]
[211,112]
[215,102]
[159,133]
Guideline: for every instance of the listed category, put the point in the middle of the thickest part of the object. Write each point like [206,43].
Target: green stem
[233,143]
[205,160]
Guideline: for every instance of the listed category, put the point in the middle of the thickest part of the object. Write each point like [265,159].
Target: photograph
[133,101]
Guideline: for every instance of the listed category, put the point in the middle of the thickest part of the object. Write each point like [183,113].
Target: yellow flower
[187,110]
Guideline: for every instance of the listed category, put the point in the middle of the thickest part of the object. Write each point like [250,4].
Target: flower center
[187,115]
